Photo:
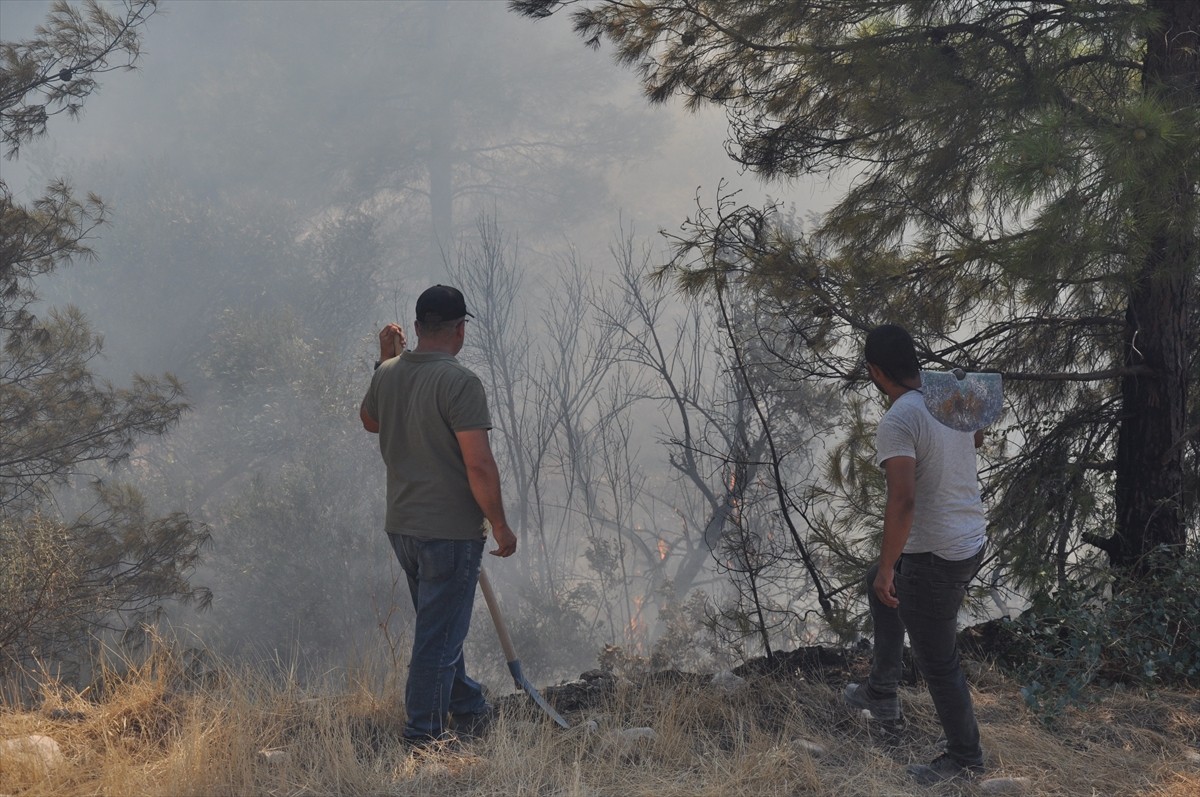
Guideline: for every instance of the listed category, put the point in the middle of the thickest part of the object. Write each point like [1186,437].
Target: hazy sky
[188,42]
[251,124]
[313,105]
[258,102]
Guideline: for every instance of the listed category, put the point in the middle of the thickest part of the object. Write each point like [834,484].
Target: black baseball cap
[441,303]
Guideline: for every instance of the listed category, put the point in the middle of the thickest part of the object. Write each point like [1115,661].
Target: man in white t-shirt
[933,541]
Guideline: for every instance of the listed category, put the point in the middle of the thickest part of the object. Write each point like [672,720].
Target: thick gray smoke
[285,178]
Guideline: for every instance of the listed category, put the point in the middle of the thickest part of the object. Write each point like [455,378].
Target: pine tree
[63,579]
[1022,193]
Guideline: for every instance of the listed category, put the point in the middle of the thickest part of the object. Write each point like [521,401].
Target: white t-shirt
[948,517]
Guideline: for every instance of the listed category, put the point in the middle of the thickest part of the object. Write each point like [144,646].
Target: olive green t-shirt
[420,400]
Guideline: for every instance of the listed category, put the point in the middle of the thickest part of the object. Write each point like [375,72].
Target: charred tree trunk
[1150,500]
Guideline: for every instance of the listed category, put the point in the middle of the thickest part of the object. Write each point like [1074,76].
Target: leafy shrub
[1144,632]
[64,584]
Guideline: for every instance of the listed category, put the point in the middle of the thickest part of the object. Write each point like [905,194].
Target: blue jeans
[441,580]
[931,591]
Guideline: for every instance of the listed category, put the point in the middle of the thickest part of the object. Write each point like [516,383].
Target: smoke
[284,180]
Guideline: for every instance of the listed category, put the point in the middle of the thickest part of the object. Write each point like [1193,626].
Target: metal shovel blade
[510,654]
[514,667]
[962,401]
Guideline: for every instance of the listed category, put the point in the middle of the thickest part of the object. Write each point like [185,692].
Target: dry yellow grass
[155,732]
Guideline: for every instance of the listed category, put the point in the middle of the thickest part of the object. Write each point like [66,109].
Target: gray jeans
[931,591]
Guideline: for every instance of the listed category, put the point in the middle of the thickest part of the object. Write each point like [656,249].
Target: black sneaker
[942,769]
[473,726]
[886,709]
[417,743]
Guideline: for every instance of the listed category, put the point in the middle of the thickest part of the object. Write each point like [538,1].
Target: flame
[663,550]
[637,631]
[731,496]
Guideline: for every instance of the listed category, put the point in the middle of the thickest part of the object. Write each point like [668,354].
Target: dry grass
[154,731]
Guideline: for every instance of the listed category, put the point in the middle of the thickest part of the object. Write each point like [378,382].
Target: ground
[155,729]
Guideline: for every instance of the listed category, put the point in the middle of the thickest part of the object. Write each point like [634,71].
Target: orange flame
[636,633]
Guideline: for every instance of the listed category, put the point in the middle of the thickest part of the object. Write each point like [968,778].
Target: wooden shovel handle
[489,597]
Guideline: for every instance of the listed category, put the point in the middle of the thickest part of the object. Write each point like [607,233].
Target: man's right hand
[506,541]
[885,587]
[391,342]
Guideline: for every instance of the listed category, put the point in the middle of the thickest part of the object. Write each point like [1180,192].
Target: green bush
[1141,632]
[65,585]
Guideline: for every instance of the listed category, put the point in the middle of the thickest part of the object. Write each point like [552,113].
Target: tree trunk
[441,148]
[1150,452]
[441,196]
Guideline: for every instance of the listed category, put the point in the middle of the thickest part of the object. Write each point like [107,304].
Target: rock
[727,681]
[274,757]
[36,751]
[590,727]
[637,734]
[811,748]
[1192,757]
[632,743]
[999,786]
[589,691]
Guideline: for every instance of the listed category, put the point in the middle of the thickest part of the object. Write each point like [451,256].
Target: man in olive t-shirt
[431,415]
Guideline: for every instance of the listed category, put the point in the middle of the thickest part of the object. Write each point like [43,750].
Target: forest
[675,222]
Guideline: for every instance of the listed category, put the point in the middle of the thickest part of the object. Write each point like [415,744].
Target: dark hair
[436,328]
[891,349]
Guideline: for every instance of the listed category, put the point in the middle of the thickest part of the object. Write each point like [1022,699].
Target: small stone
[1192,757]
[37,751]
[727,681]
[811,748]
[633,743]
[273,757]
[638,734]
[1004,786]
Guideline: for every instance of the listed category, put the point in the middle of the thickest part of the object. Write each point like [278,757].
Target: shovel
[962,401]
[510,654]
